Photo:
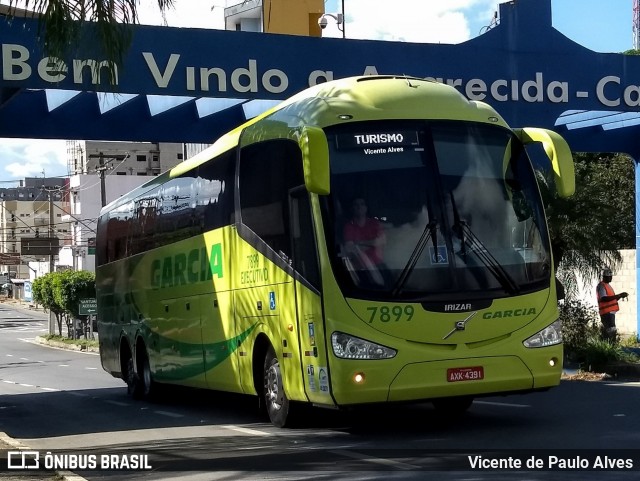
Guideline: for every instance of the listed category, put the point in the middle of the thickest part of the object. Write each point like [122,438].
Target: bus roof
[345,100]
[360,98]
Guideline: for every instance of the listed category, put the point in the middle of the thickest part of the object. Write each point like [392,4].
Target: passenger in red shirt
[364,236]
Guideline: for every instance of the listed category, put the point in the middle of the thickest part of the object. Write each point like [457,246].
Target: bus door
[309,320]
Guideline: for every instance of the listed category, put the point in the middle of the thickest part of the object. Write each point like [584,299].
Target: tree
[60,292]
[62,24]
[68,288]
[43,291]
[73,286]
[589,228]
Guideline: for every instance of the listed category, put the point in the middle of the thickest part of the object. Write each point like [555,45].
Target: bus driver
[364,238]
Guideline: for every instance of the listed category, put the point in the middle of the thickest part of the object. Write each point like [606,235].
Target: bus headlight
[549,336]
[346,346]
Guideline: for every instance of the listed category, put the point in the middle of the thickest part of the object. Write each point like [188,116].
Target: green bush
[580,323]
[630,341]
[598,353]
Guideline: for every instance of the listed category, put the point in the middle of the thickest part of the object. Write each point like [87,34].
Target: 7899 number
[390,313]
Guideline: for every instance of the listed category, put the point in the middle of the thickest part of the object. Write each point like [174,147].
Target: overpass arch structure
[192,85]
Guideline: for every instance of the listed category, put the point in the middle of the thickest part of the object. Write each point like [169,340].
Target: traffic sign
[9,259]
[87,307]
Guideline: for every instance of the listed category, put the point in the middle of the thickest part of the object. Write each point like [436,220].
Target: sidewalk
[22,305]
[9,444]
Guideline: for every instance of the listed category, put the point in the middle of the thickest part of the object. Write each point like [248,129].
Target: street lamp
[338,17]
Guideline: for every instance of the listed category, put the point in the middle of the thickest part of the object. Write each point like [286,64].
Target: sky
[600,25]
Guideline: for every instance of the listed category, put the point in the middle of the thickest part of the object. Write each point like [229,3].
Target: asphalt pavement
[9,444]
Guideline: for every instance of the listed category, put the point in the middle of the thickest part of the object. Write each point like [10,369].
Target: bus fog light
[553,361]
[358,377]
[346,346]
[549,336]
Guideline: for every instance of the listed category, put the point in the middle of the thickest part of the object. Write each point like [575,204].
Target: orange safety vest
[609,306]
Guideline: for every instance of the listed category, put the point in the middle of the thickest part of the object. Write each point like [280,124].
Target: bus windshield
[444,209]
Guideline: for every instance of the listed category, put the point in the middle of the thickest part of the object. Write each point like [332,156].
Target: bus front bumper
[479,376]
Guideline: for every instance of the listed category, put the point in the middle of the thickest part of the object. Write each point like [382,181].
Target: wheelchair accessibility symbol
[439,257]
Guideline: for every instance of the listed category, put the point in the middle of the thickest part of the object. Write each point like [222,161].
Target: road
[62,401]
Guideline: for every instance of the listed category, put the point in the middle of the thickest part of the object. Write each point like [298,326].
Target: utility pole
[101,170]
[52,260]
[52,319]
[636,25]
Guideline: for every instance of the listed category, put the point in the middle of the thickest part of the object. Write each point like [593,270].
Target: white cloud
[30,157]
[186,13]
[433,21]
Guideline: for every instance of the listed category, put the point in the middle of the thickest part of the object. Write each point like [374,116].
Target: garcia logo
[526,311]
[187,268]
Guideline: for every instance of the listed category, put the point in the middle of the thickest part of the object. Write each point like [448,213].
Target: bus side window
[268,170]
[215,202]
[305,259]
[101,241]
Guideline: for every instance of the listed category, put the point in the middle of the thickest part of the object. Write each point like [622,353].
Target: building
[122,158]
[84,209]
[34,210]
[128,165]
[292,17]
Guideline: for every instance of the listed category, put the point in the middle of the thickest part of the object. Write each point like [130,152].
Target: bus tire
[134,385]
[149,386]
[450,406]
[275,400]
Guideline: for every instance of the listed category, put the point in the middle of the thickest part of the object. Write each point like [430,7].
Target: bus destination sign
[400,138]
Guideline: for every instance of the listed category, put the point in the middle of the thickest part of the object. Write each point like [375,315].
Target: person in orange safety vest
[608,305]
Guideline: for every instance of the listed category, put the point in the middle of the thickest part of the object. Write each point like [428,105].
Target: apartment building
[125,166]
[122,158]
[35,209]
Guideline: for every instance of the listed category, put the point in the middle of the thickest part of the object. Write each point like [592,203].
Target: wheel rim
[272,387]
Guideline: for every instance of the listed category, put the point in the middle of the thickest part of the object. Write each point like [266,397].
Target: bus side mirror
[559,154]
[315,159]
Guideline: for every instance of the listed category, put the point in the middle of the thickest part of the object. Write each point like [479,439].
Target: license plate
[475,373]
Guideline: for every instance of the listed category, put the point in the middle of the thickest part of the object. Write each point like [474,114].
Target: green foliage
[630,341]
[75,342]
[60,292]
[71,286]
[44,292]
[598,353]
[589,228]
[579,324]
[583,342]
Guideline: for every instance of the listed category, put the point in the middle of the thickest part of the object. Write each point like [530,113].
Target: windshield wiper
[429,232]
[467,237]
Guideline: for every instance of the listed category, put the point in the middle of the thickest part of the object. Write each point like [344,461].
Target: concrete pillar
[637,164]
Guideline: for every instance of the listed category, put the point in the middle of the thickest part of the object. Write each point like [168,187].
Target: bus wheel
[453,405]
[134,386]
[149,386]
[275,399]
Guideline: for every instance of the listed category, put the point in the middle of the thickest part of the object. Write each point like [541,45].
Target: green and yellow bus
[376,239]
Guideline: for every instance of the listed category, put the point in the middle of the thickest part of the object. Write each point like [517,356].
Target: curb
[8,442]
[67,346]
